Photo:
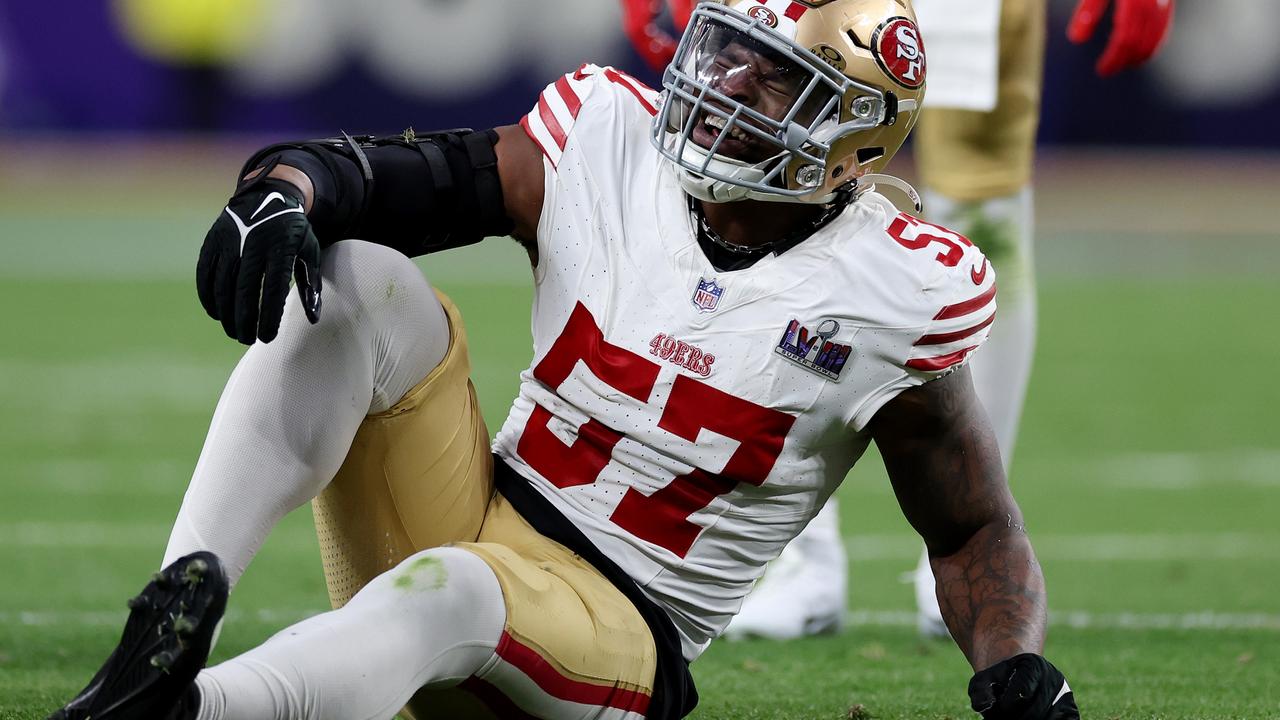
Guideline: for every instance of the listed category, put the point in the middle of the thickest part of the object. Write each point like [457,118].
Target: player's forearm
[992,593]
[416,194]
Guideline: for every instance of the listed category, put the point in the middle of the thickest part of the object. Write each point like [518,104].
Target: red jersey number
[661,518]
[915,234]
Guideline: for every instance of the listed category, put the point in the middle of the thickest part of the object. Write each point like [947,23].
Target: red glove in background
[655,44]
[1138,28]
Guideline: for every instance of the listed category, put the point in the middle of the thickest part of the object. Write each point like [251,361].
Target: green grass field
[1148,469]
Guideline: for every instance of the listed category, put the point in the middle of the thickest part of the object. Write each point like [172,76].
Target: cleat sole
[195,571]
[163,660]
[185,625]
[165,643]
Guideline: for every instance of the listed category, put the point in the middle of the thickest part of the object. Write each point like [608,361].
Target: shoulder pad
[958,294]
[553,119]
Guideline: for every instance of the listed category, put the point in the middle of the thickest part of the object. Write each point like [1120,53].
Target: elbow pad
[415,193]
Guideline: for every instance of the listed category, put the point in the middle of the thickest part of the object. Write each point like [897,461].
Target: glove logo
[1062,691]
[267,199]
[244,230]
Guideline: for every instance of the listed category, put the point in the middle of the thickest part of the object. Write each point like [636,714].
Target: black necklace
[740,256]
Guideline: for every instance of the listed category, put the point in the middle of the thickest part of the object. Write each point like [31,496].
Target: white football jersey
[692,421]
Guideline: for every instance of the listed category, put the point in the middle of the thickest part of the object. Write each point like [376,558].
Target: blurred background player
[973,149]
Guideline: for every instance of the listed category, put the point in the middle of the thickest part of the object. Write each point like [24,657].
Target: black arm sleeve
[415,193]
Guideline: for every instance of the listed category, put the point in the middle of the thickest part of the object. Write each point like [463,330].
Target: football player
[726,315]
[974,151]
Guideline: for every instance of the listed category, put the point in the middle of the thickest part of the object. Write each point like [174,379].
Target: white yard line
[1253,467]
[1098,547]
[69,389]
[108,535]
[84,477]
[1078,619]
[1090,547]
[1167,471]
[81,535]
[41,618]
[1086,620]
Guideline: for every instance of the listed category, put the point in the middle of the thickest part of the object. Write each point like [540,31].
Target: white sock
[432,621]
[1002,228]
[288,414]
[820,543]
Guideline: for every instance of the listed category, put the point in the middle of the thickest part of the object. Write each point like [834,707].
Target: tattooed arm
[942,459]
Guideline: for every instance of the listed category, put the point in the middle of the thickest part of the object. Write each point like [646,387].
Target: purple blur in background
[68,66]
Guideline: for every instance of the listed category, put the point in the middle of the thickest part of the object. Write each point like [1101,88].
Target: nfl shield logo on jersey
[707,296]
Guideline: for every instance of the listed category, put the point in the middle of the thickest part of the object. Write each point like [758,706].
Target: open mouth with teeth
[738,144]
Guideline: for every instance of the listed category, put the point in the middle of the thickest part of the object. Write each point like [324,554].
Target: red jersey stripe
[524,123]
[553,125]
[941,362]
[570,97]
[966,307]
[795,10]
[633,85]
[944,338]
[547,677]
[494,699]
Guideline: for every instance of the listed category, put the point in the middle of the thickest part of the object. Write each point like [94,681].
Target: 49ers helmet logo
[897,47]
[764,15]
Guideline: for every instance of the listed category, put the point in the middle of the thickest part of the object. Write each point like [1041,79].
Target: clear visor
[741,95]
[741,98]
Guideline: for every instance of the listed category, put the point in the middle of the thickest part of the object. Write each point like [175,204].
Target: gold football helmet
[789,100]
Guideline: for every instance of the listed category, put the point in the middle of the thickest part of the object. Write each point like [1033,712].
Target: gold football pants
[420,475]
[970,156]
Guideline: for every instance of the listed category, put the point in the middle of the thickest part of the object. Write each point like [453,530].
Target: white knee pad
[430,622]
[381,297]
[287,416]
[447,605]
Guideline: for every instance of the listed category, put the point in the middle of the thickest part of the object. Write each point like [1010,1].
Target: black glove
[1024,687]
[259,241]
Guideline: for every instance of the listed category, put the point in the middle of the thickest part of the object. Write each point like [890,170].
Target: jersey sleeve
[589,91]
[593,128]
[948,318]
[967,295]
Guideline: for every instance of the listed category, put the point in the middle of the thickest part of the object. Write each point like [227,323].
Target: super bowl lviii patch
[814,350]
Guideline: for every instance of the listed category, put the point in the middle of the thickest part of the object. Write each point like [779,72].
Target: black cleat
[151,673]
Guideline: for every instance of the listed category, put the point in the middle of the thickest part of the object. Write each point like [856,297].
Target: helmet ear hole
[890,108]
[869,154]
